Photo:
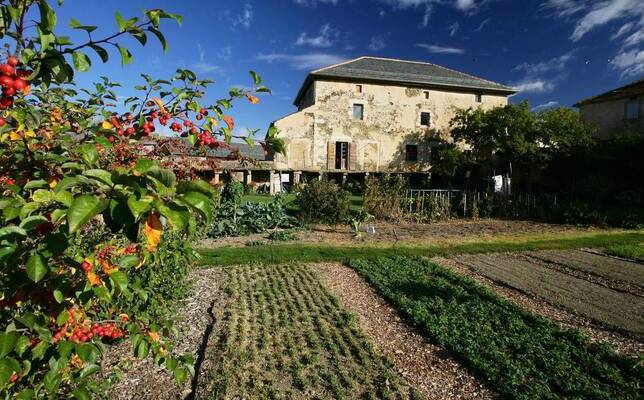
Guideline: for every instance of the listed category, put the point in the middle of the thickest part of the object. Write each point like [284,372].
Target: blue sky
[554,51]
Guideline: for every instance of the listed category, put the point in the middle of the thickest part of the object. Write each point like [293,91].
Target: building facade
[371,115]
[618,111]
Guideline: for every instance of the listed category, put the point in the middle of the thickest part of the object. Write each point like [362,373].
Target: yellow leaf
[154,336]
[252,99]
[53,182]
[159,104]
[107,125]
[94,279]
[29,134]
[213,121]
[14,136]
[153,231]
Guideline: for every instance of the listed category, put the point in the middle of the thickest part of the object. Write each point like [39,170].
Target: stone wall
[391,121]
[609,118]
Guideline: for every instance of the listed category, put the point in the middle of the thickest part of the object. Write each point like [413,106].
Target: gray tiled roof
[183,147]
[632,89]
[406,72]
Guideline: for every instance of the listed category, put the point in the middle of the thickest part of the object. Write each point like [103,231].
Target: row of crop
[521,355]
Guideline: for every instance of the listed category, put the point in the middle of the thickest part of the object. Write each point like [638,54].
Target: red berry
[6,81]
[130,131]
[86,266]
[14,378]
[10,181]
[199,117]
[19,84]
[203,111]
[3,121]
[7,69]
[23,73]
[111,139]
[150,103]
[9,91]
[6,102]
[120,132]
[13,61]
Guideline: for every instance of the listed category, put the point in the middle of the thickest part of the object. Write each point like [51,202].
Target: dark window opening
[358,111]
[478,97]
[411,152]
[341,155]
[426,94]
[632,109]
[425,119]
[358,88]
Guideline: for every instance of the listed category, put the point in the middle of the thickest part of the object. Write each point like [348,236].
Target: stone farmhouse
[618,111]
[368,115]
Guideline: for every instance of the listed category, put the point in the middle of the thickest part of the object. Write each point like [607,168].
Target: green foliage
[282,236]
[523,356]
[250,218]
[385,197]
[633,251]
[233,192]
[323,201]
[356,219]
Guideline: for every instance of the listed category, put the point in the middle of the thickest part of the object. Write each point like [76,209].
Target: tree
[70,161]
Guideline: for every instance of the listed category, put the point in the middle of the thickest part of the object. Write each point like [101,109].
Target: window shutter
[330,155]
[353,156]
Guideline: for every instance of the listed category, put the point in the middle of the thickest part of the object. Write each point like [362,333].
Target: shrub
[282,236]
[251,218]
[323,201]
[233,192]
[384,197]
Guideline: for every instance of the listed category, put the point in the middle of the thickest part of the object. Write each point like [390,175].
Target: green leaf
[200,202]
[7,342]
[47,17]
[26,394]
[7,367]
[120,21]
[142,349]
[12,230]
[52,380]
[139,207]
[196,186]
[257,80]
[171,363]
[161,37]
[39,351]
[82,63]
[22,345]
[89,154]
[83,209]
[127,262]
[36,184]
[101,52]
[87,352]
[139,35]
[33,221]
[180,375]
[165,176]
[64,197]
[75,24]
[126,56]
[36,267]
[119,279]
[42,196]
[59,297]
[90,369]
[143,165]
[177,215]
[81,393]
[100,175]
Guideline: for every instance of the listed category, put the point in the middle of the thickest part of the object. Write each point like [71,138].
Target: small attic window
[358,89]
[478,97]
[426,94]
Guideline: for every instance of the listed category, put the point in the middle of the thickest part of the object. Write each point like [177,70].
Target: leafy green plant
[385,197]
[356,219]
[251,218]
[521,355]
[282,236]
[323,201]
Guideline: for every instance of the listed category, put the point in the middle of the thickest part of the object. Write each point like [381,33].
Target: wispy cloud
[202,65]
[377,43]
[545,106]
[433,48]
[453,28]
[631,63]
[302,61]
[533,86]
[244,19]
[482,25]
[313,3]
[554,64]
[325,38]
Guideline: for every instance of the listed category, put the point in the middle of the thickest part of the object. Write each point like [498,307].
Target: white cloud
[303,61]
[313,3]
[324,39]
[563,8]
[245,19]
[624,29]
[553,64]
[482,25]
[377,43]
[533,86]
[631,63]
[545,106]
[226,53]
[433,48]
[202,65]
[605,12]
[453,28]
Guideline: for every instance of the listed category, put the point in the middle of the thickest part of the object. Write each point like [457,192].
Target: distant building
[368,115]
[618,111]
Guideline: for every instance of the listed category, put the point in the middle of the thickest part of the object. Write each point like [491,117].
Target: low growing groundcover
[521,355]
[284,336]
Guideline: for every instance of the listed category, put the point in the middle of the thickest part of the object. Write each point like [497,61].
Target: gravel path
[425,366]
[630,345]
[143,379]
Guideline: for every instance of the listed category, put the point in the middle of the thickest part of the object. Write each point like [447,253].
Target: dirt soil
[526,288]
[411,233]
[425,366]
[143,379]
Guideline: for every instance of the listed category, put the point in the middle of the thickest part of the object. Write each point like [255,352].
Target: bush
[384,197]
[323,201]
[233,192]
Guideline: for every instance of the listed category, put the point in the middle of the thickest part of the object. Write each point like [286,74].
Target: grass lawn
[275,254]
[634,251]
[284,336]
[521,355]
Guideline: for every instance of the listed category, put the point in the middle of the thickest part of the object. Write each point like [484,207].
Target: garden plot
[600,303]
[284,336]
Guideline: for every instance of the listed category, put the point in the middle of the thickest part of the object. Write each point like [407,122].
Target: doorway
[341,155]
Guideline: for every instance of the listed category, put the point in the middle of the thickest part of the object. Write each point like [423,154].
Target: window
[358,111]
[632,109]
[425,119]
[411,152]
[426,94]
[478,97]
[358,89]
[341,155]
